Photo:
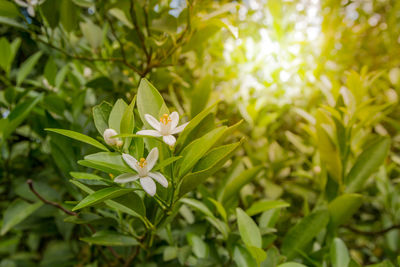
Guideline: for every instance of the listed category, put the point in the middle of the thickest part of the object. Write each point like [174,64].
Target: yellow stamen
[111,175]
[165,119]
[142,162]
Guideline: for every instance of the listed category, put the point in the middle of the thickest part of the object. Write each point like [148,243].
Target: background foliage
[314,182]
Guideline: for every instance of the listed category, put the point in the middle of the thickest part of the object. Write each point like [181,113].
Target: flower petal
[131,161]
[152,121]
[152,158]
[149,132]
[174,119]
[180,128]
[169,140]
[21,3]
[148,185]
[126,178]
[31,11]
[159,178]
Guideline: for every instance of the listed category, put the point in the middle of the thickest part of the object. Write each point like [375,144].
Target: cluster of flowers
[165,128]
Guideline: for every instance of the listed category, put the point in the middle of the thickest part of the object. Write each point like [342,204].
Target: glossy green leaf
[128,122]
[339,253]
[80,137]
[149,101]
[248,229]
[110,238]
[264,205]
[243,258]
[27,67]
[198,205]
[109,160]
[101,113]
[343,207]
[101,196]
[200,95]
[207,166]
[367,163]
[233,187]
[303,232]
[89,176]
[197,149]
[115,118]
[18,211]
[131,205]
[192,125]
[165,163]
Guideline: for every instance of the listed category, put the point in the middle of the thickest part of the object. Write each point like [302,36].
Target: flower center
[165,119]
[142,163]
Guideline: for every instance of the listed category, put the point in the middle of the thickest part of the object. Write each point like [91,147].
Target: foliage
[289,156]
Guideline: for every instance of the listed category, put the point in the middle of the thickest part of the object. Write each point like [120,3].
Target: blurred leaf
[18,211]
[291,264]
[69,16]
[248,229]
[110,238]
[303,232]
[264,205]
[367,163]
[8,9]
[92,33]
[51,9]
[243,258]
[120,15]
[80,137]
[343,207]
[339,253]
[199,247]
[233,187]
[27,67]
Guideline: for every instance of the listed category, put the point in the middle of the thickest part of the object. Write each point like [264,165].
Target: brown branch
[55,204]
[132,257]
[373,233]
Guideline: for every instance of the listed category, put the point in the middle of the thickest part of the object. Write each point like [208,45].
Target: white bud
[108,134]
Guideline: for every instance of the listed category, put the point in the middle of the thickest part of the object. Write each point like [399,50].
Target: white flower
[143,168]
[108,134]
[29,5]
[166,127]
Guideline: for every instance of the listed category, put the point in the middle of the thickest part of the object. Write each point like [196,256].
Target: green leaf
[207,166]
[192,125]
[17,116]
[339,253]
[149,101]
[27,67]
[18,211]
[115,118]
[101,196]
[343,207]
[8,9]
[199,247]
[200,95]
[264,205]
[232,188]
[193,152]
[101,113]
[131,205]
[109,160]
[89,176]
[80,137]
[7,53]
[366,164]
[92,33]
[198,205]
[220,208]
[128,122]
[303,232]
[248,229]
[110,238]
[243,258]
[69,15]
[291,264]
[120,15]
[165,163]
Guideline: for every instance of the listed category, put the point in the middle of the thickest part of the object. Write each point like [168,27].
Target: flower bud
[108,134]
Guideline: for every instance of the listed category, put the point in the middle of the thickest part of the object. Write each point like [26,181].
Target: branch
[132,257]
[55,204]
[373,233]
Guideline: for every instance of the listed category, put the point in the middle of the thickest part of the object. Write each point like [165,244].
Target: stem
[373,233]
[55,204]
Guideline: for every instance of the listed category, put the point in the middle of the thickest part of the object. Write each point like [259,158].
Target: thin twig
[373,233]
[55,204]
[132,257]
